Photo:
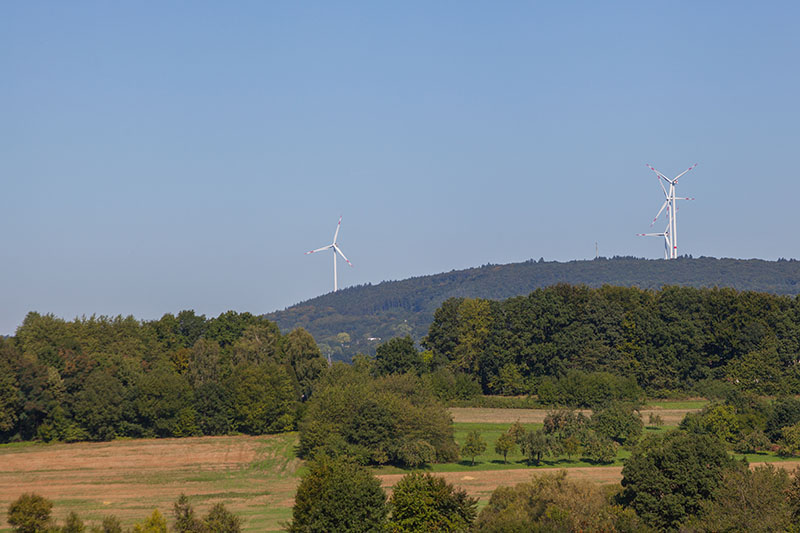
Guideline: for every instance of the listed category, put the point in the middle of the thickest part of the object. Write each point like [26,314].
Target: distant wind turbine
[335,247]
[667,243]
[672,209]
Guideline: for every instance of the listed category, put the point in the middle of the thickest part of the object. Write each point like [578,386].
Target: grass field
[253,476]
[670,411]
[256,477]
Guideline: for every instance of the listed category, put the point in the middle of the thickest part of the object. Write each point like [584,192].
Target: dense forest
[357,319]
[675,338]
[99,378]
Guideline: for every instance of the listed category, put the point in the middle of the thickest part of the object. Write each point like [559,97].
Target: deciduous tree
[473,445]
[505,444]
[667,478]
[422,502]
[30,513]
[338,495]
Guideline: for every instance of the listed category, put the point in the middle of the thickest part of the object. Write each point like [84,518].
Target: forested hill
[370,314]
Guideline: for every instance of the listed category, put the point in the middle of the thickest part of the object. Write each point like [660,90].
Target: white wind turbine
[665,234]
[335,247]
[671,207]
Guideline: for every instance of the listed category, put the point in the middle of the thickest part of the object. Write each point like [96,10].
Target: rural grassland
[255,477]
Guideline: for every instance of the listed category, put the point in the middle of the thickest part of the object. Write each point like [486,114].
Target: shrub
[30,513]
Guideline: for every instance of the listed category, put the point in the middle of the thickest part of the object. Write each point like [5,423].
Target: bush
[30,513]
[551,502]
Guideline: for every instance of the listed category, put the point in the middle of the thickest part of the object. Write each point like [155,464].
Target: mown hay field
[255,477]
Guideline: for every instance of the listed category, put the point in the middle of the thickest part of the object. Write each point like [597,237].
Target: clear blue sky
[159,156]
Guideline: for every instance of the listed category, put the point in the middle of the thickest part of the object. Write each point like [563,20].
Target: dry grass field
[253,476]
[481,484]
[670,417]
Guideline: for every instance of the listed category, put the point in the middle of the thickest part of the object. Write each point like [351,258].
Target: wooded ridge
[370,314]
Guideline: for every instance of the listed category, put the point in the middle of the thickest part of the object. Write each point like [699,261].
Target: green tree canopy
[338,495]
[667,479]
[397,356]
[30,513]
[423,502]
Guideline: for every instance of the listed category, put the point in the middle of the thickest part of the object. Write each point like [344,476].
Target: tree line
[99,378]
[671,339]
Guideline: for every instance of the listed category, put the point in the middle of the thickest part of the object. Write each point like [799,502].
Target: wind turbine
[671,207]
[335,247]
[665,234]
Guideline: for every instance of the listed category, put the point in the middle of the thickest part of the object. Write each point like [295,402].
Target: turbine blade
[663,206]
[320,249]
[659,174]
[343,256]
[336,235]
[684,172]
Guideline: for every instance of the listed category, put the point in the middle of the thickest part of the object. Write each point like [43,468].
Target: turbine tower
[334,246]
[671,233]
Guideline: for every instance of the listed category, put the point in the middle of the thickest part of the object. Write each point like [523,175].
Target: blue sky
[159,156]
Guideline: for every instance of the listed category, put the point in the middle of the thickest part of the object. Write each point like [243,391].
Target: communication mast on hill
[671,233]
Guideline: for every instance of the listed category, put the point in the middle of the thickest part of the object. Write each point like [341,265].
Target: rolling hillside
[371,314]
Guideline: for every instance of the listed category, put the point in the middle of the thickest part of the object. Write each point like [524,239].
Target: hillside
[370,314]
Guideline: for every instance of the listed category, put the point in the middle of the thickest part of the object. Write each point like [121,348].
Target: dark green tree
[397,356]
[338,495]
[473,445]
[619,422]
[161,396]
[30,513]
[73,524]
[221,520]
[10,405]
[505,444]
[306,360]
[748,500]
[185,519]
[263,399]
[667,478]
[99,407]
[535,444]
[598,448]
[422,502]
